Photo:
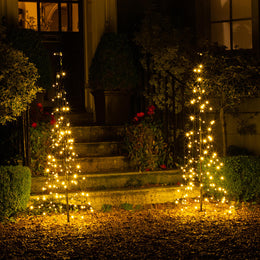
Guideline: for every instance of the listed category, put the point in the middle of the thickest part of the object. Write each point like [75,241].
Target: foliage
[106,208]
[114,66]
[168,58]
[29,42]
[241,177]
[15,188]
[165,57]
[230,77]
[145,143]
[40,141]
[127,206]
[17,83]
[40,132]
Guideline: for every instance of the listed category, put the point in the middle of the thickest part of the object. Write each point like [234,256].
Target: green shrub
[15,187]
[18,86]
[114,66]
[40,147]
[241,177]
[40,138]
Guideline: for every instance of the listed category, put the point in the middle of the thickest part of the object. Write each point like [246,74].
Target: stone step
[80,118]
[114,180]
[98,149]
[97,133]
[135,197]
[104,164]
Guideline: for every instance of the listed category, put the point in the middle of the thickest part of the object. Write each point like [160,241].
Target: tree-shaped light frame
[62,169]
[200,155]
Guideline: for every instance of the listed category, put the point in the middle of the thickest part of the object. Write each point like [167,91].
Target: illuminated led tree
[62,169]
[201,161]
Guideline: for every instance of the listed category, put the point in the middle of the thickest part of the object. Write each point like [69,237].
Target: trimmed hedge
[15,187]
[241,177]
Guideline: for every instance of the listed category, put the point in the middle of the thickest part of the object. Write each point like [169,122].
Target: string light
[62,168]
[200,156]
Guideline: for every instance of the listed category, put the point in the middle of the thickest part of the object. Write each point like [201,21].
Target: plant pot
[112,107]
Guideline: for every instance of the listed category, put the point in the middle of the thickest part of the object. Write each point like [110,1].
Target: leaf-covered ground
[156,232]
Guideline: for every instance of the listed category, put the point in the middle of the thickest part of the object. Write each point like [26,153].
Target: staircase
[99,149]
[110,178]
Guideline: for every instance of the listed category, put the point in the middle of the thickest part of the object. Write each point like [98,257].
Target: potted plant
[113,77]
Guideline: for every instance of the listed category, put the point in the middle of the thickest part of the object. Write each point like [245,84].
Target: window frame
[59,2]
[231,21]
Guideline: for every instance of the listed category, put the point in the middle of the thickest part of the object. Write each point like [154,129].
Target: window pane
[241,9]
[219,10]
[28,15]
[242,35]
[64,17]
[49,17]
[75,17]
[220,33]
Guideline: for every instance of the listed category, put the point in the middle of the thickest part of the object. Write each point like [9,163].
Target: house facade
[71,26]
[232,23]
[76,26]
[235,24]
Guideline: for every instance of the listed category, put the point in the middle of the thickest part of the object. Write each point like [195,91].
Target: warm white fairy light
[200,145]
[61,164]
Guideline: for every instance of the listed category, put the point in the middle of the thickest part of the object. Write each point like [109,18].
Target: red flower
[178,183]
[163,166]
[46,113]
[34,125]
[151,108]
[150,112]
[141,114]
[136,119]
[147,170]
[53,121]
[39,105]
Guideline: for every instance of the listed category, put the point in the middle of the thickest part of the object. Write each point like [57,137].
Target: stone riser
[104,164]
[116,180]
[98,149]
[135,196]
[96,133]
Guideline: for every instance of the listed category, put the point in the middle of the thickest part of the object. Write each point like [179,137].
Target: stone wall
[243,127]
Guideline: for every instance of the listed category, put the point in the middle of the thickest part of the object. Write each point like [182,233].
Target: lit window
[231,23]
[28,15]
[52,16]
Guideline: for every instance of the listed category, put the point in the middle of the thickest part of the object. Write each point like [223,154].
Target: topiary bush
[241,178]
[114,66]
[15,187]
